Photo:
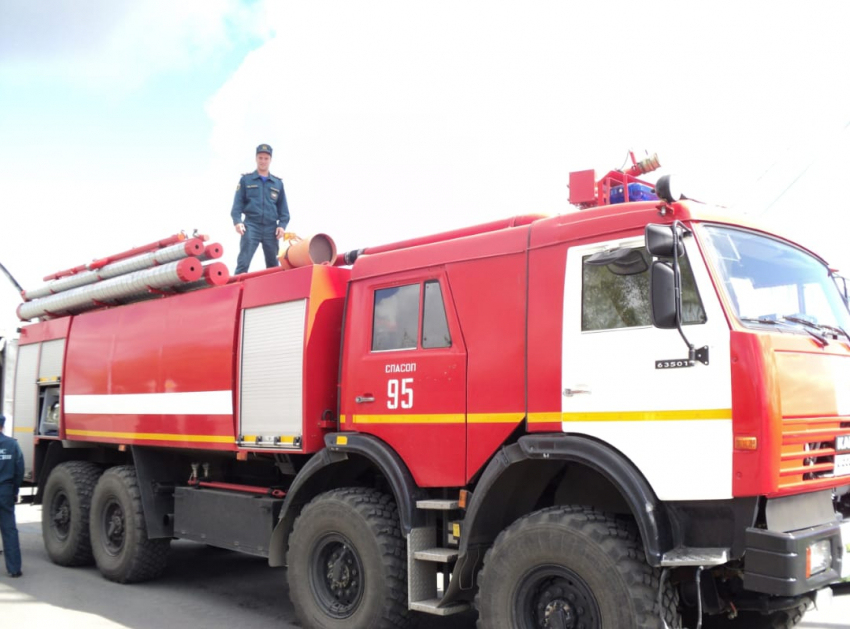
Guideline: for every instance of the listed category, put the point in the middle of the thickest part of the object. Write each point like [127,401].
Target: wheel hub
[61,516]
[116,527]
[341,570]
[553,597]
[337,576]
[342,575]
[113,527]
[559,614]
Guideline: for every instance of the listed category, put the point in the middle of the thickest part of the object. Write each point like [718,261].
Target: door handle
[572,392]
[360,399]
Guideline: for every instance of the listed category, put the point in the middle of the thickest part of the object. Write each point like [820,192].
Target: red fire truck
[636,414]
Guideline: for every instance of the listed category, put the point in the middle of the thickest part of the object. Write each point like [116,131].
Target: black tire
[120,544]
[347,563]
[584,566]
[786,619]
[65,512]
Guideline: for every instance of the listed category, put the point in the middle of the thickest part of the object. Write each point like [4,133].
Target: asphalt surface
[203,587]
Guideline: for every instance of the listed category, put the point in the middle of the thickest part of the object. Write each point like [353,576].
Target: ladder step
[686,556]
[431,606]
[438,505]
[440,555]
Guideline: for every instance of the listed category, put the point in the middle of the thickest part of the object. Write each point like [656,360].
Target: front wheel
[347,562]
[574,568]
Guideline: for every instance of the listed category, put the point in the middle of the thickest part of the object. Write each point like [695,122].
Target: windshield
[769,280]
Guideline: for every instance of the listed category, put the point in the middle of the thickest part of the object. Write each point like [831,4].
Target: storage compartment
[272,375]
[226,519]
[288,354]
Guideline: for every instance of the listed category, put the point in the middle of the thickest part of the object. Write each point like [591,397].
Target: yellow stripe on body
[27,429]
[449,418]
[540,418]
[648,416]
[150,436]
[544,418]
[495,418]
[441,418]
[281,439]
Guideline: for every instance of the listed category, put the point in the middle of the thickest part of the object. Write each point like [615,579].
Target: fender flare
[339,448]
[650,514]
[478,531]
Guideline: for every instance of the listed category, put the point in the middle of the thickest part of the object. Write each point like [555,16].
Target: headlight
[53,414]
[818,557]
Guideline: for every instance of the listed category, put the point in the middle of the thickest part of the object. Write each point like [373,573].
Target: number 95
[400,391]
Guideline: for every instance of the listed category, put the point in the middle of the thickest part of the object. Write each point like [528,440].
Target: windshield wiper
[808,326]
[836,330]
[816,326]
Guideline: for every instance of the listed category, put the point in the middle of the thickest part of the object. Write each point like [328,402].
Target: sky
[123,122]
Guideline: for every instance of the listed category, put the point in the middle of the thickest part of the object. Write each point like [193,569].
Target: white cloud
[71,202]
[113,46]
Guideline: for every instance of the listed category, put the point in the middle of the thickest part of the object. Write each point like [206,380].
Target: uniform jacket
[11,465]
[263,203]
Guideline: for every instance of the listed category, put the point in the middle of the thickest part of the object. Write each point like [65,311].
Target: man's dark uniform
[11,477]
[263,203]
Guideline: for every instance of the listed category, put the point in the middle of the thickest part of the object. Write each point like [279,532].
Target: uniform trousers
[9,531]
[253,237]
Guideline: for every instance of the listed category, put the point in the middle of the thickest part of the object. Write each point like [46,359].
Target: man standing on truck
[11,477]
[260,198]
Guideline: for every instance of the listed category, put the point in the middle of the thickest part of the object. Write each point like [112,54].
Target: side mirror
[660,241]
[662,288]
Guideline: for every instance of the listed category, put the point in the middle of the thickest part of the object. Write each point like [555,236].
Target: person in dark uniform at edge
[11,477]
[260,198]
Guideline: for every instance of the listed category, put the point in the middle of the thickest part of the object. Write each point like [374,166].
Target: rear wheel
[347,562]
[572,568]
[65,512]
[120,544]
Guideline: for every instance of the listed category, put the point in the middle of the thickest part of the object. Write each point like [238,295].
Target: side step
[438,505]
[426,562]
[439,555]
[686,556]
[431,606]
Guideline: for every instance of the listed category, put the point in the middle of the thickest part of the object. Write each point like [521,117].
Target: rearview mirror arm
[677,279]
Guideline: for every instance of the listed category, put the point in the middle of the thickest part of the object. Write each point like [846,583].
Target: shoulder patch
[238,186]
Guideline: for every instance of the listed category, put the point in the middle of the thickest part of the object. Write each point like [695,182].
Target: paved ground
[204,587]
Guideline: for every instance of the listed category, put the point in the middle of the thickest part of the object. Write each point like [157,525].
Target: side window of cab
[408,317]
[615,291]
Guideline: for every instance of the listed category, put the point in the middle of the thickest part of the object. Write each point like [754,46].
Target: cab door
[404,373]
[625,382]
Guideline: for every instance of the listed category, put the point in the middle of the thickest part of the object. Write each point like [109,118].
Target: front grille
[808,452]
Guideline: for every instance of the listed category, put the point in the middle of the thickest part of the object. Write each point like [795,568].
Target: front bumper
[775,563]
